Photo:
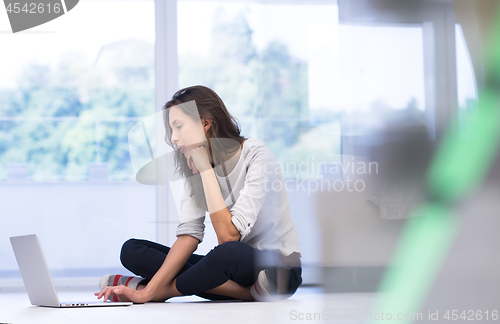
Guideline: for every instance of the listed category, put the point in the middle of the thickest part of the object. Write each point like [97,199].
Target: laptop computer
[36,275]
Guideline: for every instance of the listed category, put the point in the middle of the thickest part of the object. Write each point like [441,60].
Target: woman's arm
[178,255]
[176,258]
[219,214]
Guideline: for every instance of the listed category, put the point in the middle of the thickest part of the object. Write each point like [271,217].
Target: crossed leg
[144,258]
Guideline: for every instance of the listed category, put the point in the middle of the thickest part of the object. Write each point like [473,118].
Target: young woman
[238,181]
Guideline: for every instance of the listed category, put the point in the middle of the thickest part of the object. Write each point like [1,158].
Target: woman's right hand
[191,165]
[124,293]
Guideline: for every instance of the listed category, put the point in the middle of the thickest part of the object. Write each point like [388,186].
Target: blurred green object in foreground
[458,169]
[463,159]
[418,257]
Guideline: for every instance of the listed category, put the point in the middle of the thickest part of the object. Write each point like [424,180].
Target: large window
[70,94]
[262,59]
[294,76]
[70,90]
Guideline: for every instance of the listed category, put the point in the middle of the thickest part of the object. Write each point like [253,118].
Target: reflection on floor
[307,304]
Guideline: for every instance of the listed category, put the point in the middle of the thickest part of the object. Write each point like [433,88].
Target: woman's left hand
[198,159]
[124,293]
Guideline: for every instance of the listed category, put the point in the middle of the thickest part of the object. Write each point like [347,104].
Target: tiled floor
[15,308]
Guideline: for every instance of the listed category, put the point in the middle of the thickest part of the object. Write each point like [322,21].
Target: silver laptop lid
[34,270]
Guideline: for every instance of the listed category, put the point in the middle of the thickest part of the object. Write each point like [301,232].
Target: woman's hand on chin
[198,159]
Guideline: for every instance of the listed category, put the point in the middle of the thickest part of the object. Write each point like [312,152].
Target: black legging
[233,260]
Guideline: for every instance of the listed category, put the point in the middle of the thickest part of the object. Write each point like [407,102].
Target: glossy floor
[15,308]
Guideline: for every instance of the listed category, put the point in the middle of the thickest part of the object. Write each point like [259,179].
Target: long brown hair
[224,126]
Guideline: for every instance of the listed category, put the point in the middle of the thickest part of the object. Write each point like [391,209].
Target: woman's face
[187,133]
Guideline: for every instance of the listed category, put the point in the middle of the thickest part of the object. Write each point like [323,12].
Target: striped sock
[263,289]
